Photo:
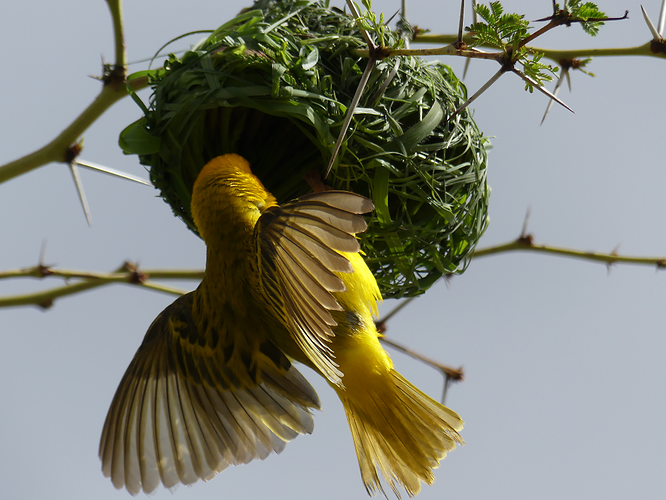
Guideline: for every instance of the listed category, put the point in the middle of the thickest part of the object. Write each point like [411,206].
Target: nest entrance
[280,153]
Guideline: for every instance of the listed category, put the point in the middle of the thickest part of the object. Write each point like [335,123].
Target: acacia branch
[447,50]
[555,55]
[564,18]
[454,374]
[126,274]
[130,274]
[526,243]
[116,8]
[45,298]
[115,88]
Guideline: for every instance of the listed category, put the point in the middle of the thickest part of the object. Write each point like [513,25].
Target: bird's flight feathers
[169,425]
[299,254]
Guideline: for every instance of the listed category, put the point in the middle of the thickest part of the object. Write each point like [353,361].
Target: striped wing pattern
[299,252]
[176,418]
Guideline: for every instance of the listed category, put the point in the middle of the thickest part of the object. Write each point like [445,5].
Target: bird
[214,382]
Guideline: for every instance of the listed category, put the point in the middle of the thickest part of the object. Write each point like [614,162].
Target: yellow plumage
[213,385]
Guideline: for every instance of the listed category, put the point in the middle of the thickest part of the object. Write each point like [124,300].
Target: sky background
[564,360]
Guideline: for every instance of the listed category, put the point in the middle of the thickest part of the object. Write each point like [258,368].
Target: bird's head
[227,197]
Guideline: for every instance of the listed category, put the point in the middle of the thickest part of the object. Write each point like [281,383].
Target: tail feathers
[402,432]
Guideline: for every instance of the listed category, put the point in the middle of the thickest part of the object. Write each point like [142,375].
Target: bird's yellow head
[228,198]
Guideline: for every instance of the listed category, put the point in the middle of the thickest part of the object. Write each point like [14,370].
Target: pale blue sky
[564,392]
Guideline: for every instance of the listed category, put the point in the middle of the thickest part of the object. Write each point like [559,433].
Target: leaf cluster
[378,25]
[587,14]
[498,29]
[510,33]
[536,70]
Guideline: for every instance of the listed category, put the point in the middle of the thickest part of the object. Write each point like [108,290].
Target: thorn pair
[71,158]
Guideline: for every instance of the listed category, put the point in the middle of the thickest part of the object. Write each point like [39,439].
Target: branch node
[454,374]
[379,52]
[568,63]
[136,277]
[73,151]
[506,61]
[658,46]
[113,75]
[526,240]
[416,32]
[611,262]
[45,304]
[44,270]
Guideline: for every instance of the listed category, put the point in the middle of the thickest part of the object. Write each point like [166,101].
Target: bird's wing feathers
[177,415]
[299,247]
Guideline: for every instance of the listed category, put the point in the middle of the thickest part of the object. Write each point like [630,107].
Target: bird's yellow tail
[399,430]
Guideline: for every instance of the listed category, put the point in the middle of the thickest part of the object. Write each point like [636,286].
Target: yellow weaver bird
[213,384]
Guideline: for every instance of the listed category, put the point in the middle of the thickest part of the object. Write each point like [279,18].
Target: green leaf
[311,59]
[380,196]
[136,140]
[422,129]
[152,73]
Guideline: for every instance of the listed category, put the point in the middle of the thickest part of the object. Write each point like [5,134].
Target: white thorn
[79,189]
[350,113]
[110,171]
[485,87]
[541,89]
[556,90]
[568,74]
[475,19]
[467,61]
[653,30]
[42,253]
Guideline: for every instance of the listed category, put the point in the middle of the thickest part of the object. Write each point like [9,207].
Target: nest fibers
[273,85]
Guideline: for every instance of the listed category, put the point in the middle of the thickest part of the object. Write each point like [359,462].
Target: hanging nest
[273,85]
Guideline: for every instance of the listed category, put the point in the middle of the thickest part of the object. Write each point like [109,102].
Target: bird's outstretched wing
[299,252]
[180,414]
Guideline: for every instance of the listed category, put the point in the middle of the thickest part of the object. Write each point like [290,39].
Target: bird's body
[213,383]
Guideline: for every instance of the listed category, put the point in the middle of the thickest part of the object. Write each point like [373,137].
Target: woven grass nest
[273,85]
